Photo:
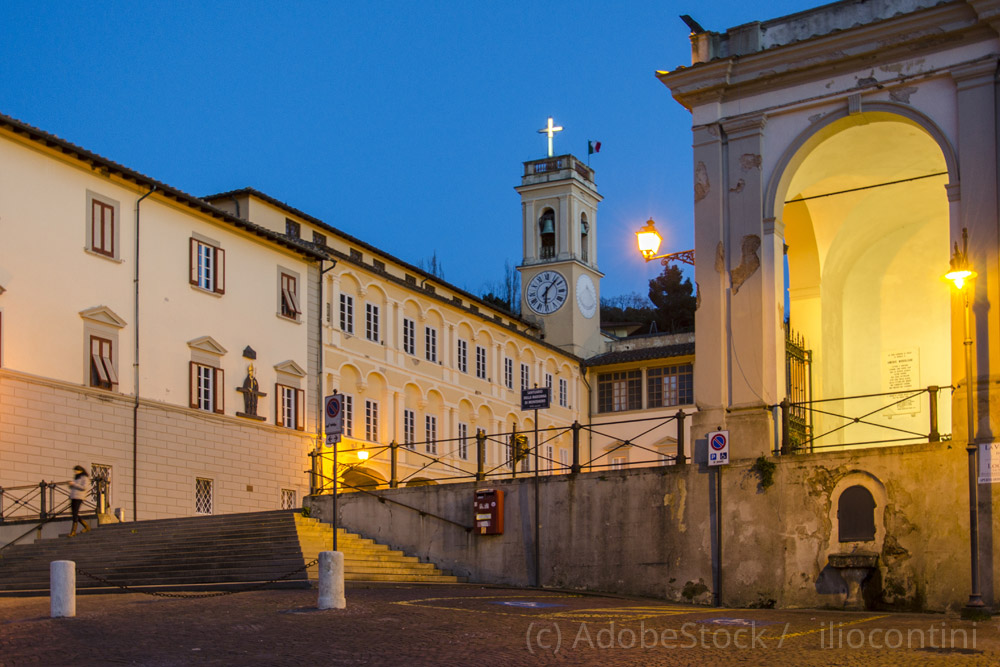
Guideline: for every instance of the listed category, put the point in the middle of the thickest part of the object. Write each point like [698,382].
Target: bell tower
[560,283]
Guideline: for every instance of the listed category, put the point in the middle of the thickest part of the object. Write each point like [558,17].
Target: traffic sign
[333,418]
[718,448]
[536,398]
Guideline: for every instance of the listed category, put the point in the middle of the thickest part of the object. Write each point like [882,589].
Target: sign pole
[538,564]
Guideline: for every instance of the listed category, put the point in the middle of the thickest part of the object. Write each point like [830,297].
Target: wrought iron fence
[521,455]
[46,500]
[798,385]
[836,422]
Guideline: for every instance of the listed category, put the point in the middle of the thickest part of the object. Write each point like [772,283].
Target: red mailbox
[489,511]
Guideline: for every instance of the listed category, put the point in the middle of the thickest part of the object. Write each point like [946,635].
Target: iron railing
[521,455]
[832,420]
[47,500]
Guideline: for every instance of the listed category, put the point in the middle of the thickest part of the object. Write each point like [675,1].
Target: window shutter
[193,384]
[98,366]
[294,299]
[300,410]
[193,262]
[217,390]
[220,271]
[279,406]
[109,365]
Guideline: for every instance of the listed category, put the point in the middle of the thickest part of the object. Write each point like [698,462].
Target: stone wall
[651,531]
[47,427]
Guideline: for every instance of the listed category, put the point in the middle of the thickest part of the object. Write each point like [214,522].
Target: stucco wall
[651,531]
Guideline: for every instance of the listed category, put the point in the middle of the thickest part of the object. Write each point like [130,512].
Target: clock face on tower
[546,292]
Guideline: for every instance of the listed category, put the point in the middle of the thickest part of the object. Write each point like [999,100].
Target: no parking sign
[333,417]
[718,448]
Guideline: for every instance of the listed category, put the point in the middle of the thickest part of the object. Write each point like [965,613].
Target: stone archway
[866,219]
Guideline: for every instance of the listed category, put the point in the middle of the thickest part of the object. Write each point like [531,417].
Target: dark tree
[506,292]
[673,296]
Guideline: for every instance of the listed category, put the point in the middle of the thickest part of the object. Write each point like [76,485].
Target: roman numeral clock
[546,292]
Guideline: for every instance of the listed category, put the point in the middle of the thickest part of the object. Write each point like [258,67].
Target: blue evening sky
[402,123]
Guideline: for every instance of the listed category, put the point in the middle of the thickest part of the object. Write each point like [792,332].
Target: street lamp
[961,275]
[649,242]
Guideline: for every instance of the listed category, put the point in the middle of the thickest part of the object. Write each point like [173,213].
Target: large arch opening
[867,229]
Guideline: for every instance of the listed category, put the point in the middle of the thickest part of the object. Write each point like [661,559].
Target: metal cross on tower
[551,131]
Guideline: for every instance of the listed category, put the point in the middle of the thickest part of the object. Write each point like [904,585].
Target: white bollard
[331,580]
[62,588]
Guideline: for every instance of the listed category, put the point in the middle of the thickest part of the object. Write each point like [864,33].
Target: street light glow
[649,240]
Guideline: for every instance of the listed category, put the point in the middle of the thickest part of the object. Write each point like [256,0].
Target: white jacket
[78,488]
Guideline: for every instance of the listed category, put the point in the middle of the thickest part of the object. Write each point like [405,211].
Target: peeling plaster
[750,161]
[697,296]
[720,258]
[816,117]
[701,184]
[749,262]
[738,188]
[902,94]
[676,503]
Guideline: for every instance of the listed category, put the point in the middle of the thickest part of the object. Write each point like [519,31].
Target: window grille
[203,496]
[288,499]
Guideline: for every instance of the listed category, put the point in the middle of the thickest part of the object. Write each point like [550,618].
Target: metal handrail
[44,501]
[809,443]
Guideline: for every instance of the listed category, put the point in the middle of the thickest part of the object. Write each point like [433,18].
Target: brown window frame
[102,368]
[102,232]
[298,409]
[218,277]
[218,382]
[289,296]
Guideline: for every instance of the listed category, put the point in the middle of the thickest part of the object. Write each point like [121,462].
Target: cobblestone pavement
[472,625]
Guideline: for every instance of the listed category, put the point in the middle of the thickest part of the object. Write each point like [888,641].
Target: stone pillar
[331,580]
[62,588]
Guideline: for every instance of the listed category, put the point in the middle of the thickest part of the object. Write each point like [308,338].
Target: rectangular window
[563,393]
[463,356]
[548,381]
[290,407]
[288,499]
[102,228]
[202,496]
[371,420]
[525,377]
[293,228]
[208,267]
[371,322]
[319,239]
[289,296]
[349,416]
[563,458]
[409,336]
[547,464]
[508,372]
[431,344]
[463,441]
[480,362]
[102,367]
[409,428]
[347,313]
[207,384]
[430,431]
[619,391]
[670,385]
[618,463]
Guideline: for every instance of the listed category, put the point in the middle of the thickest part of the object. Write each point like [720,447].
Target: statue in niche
[251,392]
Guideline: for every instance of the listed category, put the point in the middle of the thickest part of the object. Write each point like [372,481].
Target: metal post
[538,564]
[393,457]
[513,452]
[681,458]
[576,447]
[718,535]
[785,439]
[480,454]
[333,520]
[43,513]
[975,604]
[934,436]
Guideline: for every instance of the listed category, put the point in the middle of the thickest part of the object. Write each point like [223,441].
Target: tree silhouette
[673,296]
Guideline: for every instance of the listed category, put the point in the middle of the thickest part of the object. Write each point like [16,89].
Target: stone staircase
[231,551]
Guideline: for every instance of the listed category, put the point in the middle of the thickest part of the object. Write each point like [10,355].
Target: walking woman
[77,493]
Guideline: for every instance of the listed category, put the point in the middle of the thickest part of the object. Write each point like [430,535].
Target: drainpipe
[135,369]
[590,421]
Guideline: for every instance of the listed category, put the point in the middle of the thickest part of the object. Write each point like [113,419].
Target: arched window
[856,514]
[547,232]
[584,238]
